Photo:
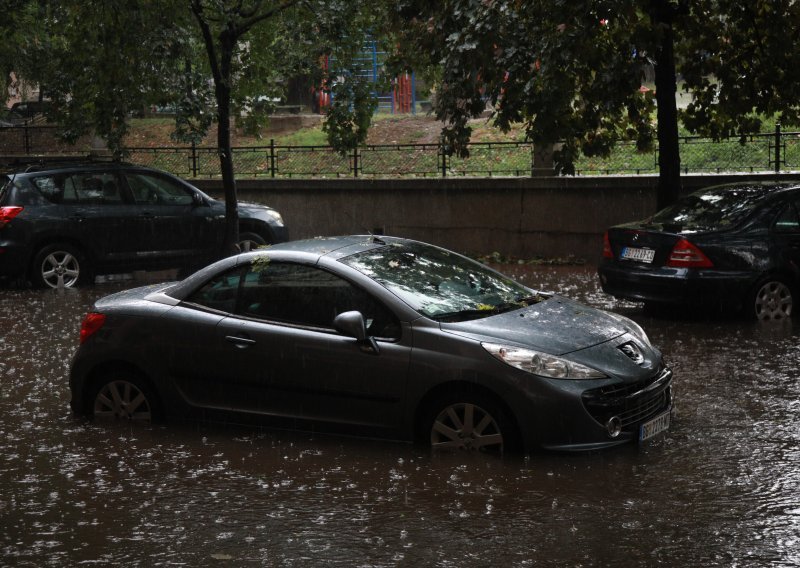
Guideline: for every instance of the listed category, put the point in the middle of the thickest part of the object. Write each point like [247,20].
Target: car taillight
[91,323]
[686,255]
[607,252]
[8,213]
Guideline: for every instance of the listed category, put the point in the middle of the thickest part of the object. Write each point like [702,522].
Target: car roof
[22,167]
[308,250]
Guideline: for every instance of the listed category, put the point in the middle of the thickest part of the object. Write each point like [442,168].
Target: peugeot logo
[632,351]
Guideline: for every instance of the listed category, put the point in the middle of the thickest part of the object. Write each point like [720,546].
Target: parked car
[384,336]
[731,247]
[62,224]
[31,109]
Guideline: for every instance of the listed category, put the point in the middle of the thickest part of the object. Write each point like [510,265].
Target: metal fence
[775,151]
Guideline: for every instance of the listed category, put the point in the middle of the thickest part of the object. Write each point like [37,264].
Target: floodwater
[721,488]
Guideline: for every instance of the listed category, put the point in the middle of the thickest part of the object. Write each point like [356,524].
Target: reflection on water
[719,489]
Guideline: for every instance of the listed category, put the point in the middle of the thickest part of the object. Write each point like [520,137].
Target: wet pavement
[721,488]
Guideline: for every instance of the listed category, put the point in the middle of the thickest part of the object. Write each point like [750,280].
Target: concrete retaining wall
[552,217]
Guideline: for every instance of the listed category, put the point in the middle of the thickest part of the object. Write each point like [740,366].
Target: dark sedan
[727,247]
[383,336]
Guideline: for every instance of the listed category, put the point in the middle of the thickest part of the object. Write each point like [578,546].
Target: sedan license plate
[655,426]
[639,254]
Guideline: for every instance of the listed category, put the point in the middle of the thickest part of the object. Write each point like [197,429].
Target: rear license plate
[655,426]
[639,254]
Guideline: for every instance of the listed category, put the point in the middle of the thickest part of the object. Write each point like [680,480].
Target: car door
[94,212]
[174,225]
[279,354]
[786,238]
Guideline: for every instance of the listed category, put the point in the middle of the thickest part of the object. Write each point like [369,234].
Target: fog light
[614,426]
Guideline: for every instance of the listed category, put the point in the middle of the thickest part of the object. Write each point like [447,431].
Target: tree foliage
[571,71]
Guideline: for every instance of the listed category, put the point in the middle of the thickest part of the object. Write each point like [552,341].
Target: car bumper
[13,260]
[589,415]
[675,285]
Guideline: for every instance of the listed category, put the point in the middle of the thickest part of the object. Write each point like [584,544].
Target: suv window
[295,294]
[82,187]
[157,190]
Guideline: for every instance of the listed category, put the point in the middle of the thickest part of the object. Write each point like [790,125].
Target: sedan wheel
[466,426]
[773,301]
[58,267]
[122,400]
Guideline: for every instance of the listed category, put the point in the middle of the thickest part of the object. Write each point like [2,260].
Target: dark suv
[61,225]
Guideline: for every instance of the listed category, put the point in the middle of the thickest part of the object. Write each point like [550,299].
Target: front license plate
[655,426]
[639,254]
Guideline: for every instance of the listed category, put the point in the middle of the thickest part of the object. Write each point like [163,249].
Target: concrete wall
[553,217]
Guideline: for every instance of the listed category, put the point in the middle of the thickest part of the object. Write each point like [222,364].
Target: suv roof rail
[24,164]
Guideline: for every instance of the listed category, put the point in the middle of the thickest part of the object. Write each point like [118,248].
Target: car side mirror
[197,200]
[352,324]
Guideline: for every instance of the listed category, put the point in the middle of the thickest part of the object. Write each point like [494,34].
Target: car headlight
[542,364]
[275,216]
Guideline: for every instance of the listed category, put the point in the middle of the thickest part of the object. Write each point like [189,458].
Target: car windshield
[440,284]
[710,210]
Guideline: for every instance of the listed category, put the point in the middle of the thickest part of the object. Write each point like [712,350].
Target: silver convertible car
[385,337]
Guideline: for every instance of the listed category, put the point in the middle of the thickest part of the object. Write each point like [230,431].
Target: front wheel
[60,266]
[250,241]
[124,397]
[772,299]
[471,423]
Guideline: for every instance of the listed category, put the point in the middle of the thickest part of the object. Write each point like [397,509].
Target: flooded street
[719,489]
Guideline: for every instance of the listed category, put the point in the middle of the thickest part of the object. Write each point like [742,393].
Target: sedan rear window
[715,209]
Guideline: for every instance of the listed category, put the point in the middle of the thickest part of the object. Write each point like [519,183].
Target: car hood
[556,326]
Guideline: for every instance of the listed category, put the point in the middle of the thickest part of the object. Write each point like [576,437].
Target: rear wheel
[469,422]
[124,396]
[60,266]
[250,241]
[772,299]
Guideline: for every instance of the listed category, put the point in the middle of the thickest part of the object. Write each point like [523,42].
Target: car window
[712,209]
[295,294]
[789,219]
[83,188]
[440,284]
[158,190]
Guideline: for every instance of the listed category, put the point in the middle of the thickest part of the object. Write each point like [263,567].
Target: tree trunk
[669,159]
[222,91]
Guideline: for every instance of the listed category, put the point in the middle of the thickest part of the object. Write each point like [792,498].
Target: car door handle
[147,214]
[240,342]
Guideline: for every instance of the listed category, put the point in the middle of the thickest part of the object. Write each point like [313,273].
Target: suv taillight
[8,213]
[91,323]
[686,255]
[607,252]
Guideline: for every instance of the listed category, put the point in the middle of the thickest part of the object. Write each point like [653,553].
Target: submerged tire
[124,396]
[772,299]
[469,422]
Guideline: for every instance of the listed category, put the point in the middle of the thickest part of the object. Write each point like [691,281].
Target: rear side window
[86,188]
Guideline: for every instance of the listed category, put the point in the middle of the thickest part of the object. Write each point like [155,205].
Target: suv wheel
[60,266]
[250,241]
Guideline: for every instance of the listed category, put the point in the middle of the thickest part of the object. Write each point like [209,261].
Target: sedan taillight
[8,213]
[91,323]
[607,252]
[686,255]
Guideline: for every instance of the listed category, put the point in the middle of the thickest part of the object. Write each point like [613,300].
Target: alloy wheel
[466,426]
[60,269]
[122,400]
[773,301]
